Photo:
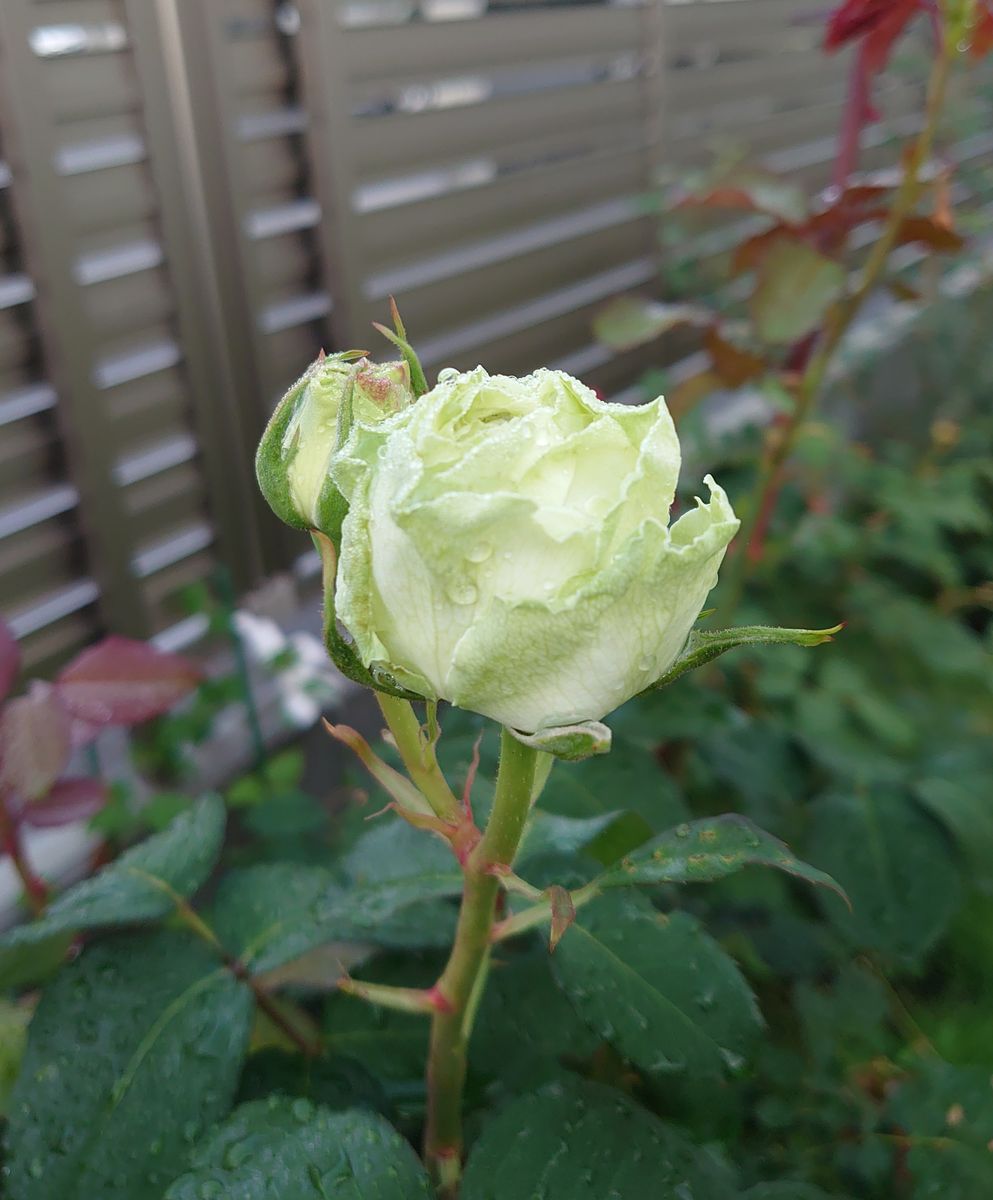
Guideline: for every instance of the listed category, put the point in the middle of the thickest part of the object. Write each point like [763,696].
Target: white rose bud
[507,547]
[296,448]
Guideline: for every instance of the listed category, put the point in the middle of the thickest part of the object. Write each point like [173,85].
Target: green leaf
[702,851]
[526,1028]
[948,1112]
[704,645]
[138,886]
[282,1149]
[629,778]
[333,1081]
[134,1051]
[658,987]
[897,866]
[268,914]
[549,833]
[588,1142]
[795,288]
[634,321]
[963,806]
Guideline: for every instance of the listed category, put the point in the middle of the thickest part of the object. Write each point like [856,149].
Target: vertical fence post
[223,409]
[68,339]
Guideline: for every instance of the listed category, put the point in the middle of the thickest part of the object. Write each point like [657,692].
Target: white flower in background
[306,681]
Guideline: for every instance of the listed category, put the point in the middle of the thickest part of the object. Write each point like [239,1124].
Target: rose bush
[507,547]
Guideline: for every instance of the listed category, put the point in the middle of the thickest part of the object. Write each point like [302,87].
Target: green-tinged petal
[506,547]
[617,635]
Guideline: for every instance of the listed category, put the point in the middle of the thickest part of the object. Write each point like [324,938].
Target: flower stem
[419,757]
[462,979]
[808,390]
[11,844]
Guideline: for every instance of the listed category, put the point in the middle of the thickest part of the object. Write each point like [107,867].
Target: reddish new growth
[876,25]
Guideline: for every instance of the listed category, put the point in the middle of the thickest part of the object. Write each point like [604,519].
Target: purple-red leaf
[120,681]
[10,659]
[875,23]
[34,742]
[69,800]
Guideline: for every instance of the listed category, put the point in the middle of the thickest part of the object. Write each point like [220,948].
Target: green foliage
[276,1148]
[751,1039]
[585,1143]
[144,883]
[133,1054]
[659,988]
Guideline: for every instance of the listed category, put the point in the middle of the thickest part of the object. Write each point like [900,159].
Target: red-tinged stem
[461,983]
[808,390]
[12,844]
[853,121]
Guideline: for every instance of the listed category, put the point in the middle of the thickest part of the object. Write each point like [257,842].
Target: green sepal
[418,380]
[274,458]
[572,743]
[343,654]
[703,645]
[270,469]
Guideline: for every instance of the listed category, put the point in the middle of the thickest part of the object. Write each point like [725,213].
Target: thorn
[470,778]
[563,914]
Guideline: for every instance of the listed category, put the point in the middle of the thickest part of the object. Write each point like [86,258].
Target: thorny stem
[419,757]
[811,382]
[11,843]
[462,980]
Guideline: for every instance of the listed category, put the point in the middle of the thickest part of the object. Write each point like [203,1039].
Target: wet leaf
[658,987]
[587,1142]
[706,850]
[283,1149]
[134,1052]
[138,886]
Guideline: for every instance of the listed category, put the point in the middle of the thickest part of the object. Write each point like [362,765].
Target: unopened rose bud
[296,448]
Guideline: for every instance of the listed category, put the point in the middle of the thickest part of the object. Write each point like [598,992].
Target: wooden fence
[196,195]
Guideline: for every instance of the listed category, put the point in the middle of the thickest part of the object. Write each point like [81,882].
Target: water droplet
[447,373]
[646,663]
[381,452]
[682,831]
[463,593]
[302,1109]
[547,586]
[507,555]
[36,1169]
[480,553]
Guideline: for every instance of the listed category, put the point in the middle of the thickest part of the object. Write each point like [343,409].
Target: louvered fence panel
[486,166]
[136,458]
